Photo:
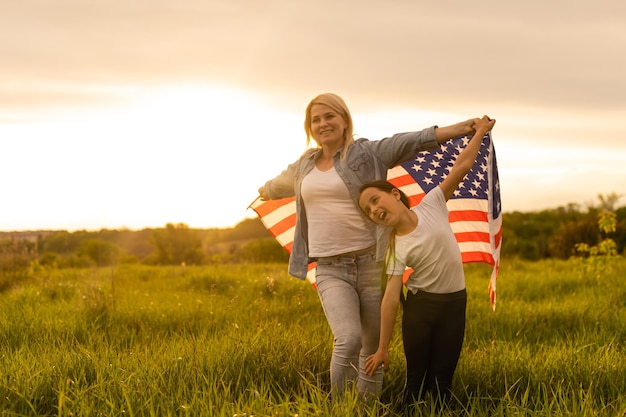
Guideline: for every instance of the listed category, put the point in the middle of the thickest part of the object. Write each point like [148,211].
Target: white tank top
[335,223]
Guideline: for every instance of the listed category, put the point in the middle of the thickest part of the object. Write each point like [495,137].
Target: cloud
[423,53]
[552,73]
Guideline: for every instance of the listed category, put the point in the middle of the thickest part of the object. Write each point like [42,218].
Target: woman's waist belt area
[352,254]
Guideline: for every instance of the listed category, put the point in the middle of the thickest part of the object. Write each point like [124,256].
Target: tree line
[552,233]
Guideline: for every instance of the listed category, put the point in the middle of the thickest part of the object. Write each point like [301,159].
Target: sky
[133,114]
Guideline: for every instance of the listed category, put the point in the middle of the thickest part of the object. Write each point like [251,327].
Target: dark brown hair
[387,187]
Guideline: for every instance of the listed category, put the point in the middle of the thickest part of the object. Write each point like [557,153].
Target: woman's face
[327,126]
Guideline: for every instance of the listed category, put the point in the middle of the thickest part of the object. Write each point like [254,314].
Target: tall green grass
[248,340]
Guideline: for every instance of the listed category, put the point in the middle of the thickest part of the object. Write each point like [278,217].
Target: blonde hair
[337,104]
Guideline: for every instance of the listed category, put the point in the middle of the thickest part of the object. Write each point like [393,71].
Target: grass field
[248,340]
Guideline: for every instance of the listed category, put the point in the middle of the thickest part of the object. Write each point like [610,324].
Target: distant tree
[100,252]
[52,260]
[524,248]
[16,257]
[251,228]
[62,242]
[609,201]
[135,243]
[563,241]
[620,230]
[527,235]
[262,250]
[177,244]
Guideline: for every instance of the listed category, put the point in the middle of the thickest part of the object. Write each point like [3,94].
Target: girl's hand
[374,361]
[485,124]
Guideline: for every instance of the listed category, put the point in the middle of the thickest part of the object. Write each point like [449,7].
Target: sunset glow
[175,116]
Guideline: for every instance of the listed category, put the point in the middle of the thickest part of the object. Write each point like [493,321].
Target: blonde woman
[332,231]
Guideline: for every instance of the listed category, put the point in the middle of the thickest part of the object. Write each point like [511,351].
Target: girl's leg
[416,337]
[447,344]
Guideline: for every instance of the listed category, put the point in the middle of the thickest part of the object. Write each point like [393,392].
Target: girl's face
[380,206]
[327,126]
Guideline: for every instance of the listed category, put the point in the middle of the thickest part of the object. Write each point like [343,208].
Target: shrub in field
[52,260]
[176,244]
[598,259]
[262,250]
[100,252]
[15,261]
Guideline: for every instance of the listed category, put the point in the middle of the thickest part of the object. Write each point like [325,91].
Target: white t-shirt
[335,223]
[430,249]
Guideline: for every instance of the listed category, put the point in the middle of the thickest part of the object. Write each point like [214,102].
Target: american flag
[475,208]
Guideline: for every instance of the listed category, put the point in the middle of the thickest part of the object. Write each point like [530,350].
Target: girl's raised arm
[466,159]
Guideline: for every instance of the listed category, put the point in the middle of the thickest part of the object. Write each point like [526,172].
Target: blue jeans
[350,291]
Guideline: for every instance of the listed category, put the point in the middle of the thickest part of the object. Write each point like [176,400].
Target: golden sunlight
[194,154]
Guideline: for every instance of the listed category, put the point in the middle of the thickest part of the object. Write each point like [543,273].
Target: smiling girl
[433,321]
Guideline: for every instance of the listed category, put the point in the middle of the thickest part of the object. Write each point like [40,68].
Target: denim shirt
[365,161]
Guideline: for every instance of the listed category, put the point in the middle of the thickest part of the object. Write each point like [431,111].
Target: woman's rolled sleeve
[403,146]
[282,185]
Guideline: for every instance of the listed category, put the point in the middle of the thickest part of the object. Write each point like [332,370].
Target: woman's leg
[340,302]
[349,289]
[370,296]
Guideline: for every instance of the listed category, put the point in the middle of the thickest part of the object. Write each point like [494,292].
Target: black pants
[433,328]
